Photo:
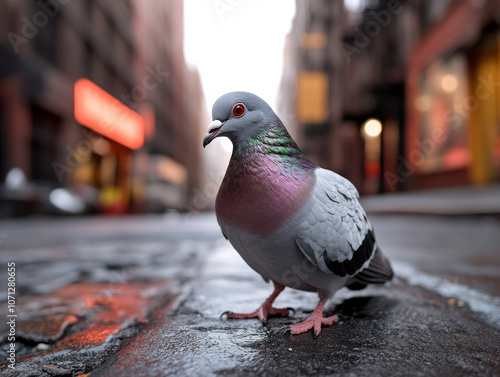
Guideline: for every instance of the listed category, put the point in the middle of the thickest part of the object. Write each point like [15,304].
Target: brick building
[413,67]
[133,50]
[452,86]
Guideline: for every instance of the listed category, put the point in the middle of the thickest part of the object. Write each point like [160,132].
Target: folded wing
[335,233]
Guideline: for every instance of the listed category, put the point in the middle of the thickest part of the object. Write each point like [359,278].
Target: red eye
[238,110]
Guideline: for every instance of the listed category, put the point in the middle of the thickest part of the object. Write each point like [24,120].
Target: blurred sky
[237,44]
[354,5]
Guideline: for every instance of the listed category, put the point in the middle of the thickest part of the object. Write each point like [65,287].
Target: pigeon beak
[213,130]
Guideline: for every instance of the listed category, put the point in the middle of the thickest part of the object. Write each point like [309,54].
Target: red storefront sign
[100,111]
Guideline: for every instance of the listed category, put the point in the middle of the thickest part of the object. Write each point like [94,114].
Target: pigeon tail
[378,271]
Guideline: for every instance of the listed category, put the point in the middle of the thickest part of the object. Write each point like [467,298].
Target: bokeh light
[449,83]
[372,127]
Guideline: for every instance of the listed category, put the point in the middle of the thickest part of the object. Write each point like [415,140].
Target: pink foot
[264,310]
[315,321]
[261,313]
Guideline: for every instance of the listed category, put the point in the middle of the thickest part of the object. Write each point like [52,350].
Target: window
[443,106]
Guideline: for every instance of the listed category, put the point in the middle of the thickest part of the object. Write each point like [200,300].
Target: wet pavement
[142,296]
[462,200]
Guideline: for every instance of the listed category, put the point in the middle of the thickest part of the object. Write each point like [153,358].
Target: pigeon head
[240,116]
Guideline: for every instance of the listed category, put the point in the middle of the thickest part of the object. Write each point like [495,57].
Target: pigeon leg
[264,310]
[315,321]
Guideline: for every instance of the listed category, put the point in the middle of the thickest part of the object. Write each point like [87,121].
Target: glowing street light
[372,127]
[449,83]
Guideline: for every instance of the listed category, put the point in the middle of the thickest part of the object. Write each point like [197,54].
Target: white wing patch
[335,225]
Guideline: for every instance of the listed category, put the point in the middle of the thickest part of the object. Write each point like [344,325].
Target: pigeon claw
[315,321]
[283,330]
[261,313]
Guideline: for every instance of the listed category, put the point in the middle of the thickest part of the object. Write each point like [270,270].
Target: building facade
[414,68]
[133,50]
[453,96]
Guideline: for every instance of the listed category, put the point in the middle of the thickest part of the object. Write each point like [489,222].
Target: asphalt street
[142,296]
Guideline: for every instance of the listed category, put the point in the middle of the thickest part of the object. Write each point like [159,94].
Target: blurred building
[131,53]
[312,74]
[349,68]
[174,150]
[386,95]
[376,46]
[453,95]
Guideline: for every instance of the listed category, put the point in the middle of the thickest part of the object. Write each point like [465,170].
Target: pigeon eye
[238,110]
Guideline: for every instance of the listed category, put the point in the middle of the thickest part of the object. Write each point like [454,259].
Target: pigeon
[293,222]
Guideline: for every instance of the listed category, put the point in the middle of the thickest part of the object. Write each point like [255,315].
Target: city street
[119,128]
[142,296]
